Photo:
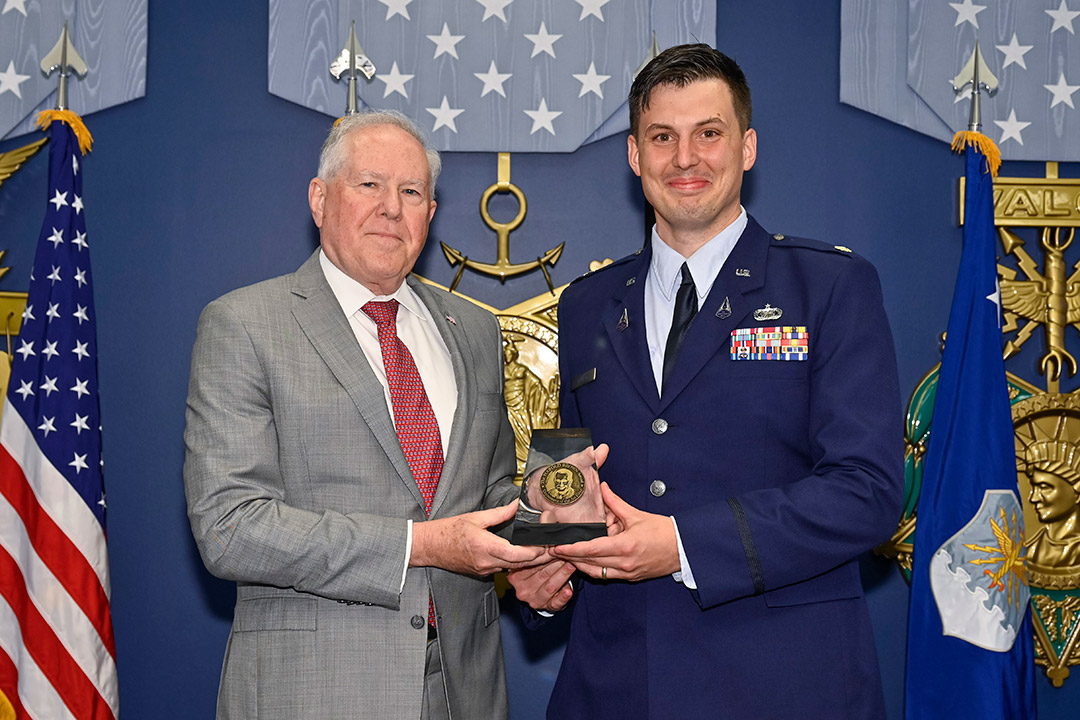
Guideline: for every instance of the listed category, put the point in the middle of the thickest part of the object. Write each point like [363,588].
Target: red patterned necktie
[417,428]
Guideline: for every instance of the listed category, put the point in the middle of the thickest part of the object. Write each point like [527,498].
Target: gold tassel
[45,119]
[338,121]
[986,147]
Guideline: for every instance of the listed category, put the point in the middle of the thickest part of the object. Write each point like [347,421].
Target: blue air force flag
[484,75]
[969,630]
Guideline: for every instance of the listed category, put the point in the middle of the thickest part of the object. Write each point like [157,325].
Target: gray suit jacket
[298,490]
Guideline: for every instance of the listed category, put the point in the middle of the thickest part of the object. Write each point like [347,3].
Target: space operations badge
[978,577]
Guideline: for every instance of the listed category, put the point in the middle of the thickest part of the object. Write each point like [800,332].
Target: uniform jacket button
[657,488]
[659,426]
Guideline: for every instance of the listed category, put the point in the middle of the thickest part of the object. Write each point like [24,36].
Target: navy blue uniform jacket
[779,474]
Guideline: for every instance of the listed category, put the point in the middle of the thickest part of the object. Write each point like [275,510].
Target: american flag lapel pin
[450,319]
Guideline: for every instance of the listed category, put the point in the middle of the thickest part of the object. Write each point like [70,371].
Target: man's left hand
[639,545]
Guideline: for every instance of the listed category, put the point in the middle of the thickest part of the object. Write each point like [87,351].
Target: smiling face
[691,156]
[373,213]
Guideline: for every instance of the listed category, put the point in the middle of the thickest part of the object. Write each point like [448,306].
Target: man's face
[373,214]
[1052,496]
[562,482]
[691,156]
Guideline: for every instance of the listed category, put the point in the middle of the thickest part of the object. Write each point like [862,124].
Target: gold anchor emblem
[502,268]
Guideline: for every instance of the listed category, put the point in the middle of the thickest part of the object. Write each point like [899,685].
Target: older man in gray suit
[346,430]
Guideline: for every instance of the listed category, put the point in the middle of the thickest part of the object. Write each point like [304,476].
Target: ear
[632,154]
[316,196]
[431,211]
[749,150]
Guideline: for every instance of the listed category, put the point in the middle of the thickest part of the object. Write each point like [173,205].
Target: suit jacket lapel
[462,359]
[319,315]
[624,320]
[726,307]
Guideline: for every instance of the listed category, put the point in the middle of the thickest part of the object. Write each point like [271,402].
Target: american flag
[57,655]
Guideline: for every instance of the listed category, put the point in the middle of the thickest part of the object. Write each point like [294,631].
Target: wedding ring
[603,573]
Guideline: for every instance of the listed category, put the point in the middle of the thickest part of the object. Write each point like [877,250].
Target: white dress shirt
[417,330]
[661,285]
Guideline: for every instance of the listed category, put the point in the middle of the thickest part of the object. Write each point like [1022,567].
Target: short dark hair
[684,64]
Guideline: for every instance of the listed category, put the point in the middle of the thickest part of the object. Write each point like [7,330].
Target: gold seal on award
[562,483]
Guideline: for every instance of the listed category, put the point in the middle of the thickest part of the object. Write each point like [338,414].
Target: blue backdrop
[200,187]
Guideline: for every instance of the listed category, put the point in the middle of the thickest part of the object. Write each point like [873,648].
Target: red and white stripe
[57,654]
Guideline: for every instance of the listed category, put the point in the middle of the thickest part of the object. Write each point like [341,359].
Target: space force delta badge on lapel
[788,342]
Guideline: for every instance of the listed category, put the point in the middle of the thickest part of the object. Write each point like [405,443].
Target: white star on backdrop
[494,8]
[80,276]
[493,80]
[77,206]
[445,42]
[542,117]
[80,314]
[543,41]
[57,238]
[80,388]
[60,200]
[395,80]
[1011,128]
[19,5]
[28,313]
[1014,53]
[591,7]
[444,115]
[55,275]
[591,82]
[80,350]
[10,80]
[966,12]
[1062,92]
[53,312]
[396,7]
[49,386]
[80,240]
[1063,17]
[26,349]
[50,350]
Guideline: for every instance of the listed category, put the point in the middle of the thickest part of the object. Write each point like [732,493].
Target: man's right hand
[543,587]
[463,544]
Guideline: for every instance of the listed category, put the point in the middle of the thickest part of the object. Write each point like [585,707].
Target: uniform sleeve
[234,486]
[774,537]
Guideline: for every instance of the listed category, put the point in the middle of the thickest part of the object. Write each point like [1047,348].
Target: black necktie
[685,309]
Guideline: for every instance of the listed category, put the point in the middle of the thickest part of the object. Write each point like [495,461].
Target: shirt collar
[705,264]
[352,295]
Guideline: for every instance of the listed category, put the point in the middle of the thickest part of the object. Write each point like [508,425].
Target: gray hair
[332,156]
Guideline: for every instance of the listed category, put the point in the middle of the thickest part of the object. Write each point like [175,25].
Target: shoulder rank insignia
[842,248]
[788,342]
[767,313]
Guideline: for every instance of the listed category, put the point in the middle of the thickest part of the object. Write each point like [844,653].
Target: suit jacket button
[418,622]
[659,426]
[657,488]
